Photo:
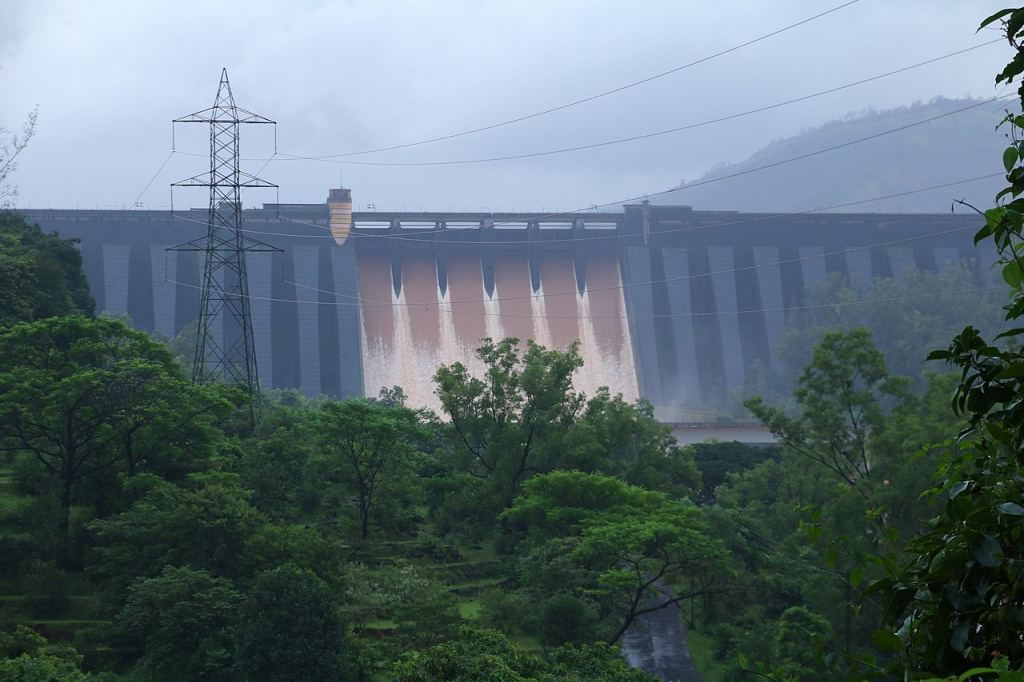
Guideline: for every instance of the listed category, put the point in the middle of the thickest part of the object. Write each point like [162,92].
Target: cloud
[339,77]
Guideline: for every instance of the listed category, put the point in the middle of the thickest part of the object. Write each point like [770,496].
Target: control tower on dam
[665,302]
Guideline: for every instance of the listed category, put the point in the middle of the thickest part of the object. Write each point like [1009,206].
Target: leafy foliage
[486,656]
[181,621]
[908,315]
[40,274]
[524,418]
[206,524]
[26,655]
[412,606]
[366,450]
[620,439]
[620,544]
[83,395]
[290,629]
[954,607]
[841,399]
[502,424]
[847,478]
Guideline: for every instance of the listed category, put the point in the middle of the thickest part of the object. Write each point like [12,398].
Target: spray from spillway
[411,325]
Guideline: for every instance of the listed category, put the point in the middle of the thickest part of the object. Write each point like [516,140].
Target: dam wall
[666,303]
[709,292]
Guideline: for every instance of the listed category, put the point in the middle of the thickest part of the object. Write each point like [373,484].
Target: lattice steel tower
[224,348]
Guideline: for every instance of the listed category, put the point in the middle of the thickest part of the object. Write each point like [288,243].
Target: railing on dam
[509,232]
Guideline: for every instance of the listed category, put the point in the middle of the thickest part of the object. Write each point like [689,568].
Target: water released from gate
[408,333]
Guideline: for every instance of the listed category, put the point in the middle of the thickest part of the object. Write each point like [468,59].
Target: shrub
[47,594]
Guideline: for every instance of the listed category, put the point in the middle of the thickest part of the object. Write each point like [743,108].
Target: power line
[828,149]
[694,228]
[727,176]
[360,301]
[691,126]
[635,138]
[640,137]
[763,218]
[441,307]
[601,94]
[152,179]
[667,280]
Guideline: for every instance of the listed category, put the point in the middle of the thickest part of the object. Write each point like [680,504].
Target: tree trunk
[65,523]
[129,454]
[629,618]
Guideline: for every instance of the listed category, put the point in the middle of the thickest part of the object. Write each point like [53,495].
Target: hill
[941,142]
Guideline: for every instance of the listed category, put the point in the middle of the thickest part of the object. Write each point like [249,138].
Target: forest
[151,530]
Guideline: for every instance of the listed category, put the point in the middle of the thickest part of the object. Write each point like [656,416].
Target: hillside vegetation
[959,144]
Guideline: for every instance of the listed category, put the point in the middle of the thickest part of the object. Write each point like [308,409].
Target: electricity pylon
[224,348]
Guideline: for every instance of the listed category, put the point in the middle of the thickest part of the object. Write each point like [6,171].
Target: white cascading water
[405,342]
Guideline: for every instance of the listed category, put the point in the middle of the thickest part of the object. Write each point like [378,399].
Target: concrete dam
[666,302]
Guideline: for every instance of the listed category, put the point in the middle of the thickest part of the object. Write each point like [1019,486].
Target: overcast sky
[109,76]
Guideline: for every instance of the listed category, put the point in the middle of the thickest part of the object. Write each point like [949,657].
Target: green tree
[274,462]
[290,629]
[181,621]
[26,656]
[563,503]
[487,656]
[953,605]
[716,459]
[908,315]
[633,558]
[858,429]
[522,417]
[629,545]
[206,524]
[475,656]
[841,397]
[792,647]
[79,394]
[17,281]
[41,274]
[366,449]
[414,608]
[504,425]
[614,437]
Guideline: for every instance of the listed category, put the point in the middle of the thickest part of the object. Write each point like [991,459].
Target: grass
[701,648]
[381,625]
[10,501]
[474,586]
[531,644]
[478,553]
[469,609]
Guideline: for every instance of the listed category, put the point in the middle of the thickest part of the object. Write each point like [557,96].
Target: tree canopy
[83,395]
[501,424]
[623,544]
[841,395]
[40,274]
[367,451]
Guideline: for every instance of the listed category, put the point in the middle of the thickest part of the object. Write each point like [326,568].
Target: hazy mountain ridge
[959,144]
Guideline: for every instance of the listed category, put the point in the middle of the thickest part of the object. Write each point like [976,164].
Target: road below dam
[656,643]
